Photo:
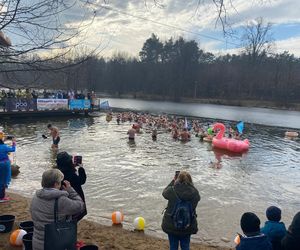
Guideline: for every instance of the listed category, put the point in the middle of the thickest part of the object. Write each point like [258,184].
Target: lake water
[271,117]
[131,177]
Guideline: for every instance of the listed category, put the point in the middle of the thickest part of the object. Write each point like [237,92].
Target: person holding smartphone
[74,173]
[180,193]
[42,204]
[5,165]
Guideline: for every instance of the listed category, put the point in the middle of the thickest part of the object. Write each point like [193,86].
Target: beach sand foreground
[106,237]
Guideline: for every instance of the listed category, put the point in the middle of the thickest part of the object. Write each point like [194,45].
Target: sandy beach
[106,237]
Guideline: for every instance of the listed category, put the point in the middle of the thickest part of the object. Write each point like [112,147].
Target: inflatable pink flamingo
[232,145]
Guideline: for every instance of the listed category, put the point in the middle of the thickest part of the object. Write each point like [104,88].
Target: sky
[123,26]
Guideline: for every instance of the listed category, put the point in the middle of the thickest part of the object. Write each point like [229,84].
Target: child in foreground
[253,239]
[274,229]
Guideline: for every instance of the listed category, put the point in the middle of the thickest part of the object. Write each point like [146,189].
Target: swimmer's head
[49,126]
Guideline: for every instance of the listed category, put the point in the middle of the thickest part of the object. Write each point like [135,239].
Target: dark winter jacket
[76,180]
[291,241]
[275,232]
[184,192]
[258,242]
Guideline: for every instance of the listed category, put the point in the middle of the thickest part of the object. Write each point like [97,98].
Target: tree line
[176,69]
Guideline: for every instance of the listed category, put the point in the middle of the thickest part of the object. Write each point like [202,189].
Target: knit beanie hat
[273,213]
[250,223]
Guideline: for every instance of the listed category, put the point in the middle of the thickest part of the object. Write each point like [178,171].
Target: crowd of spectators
[29,94]
[47,94]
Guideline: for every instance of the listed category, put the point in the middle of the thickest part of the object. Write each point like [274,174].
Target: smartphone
[177,173]
[10,137]
[77,159]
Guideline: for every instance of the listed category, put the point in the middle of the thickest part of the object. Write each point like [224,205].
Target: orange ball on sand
[16,238]
[117,217]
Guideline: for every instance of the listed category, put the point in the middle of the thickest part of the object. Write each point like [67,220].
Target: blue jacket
[4,150]
[274,230]
[258,242]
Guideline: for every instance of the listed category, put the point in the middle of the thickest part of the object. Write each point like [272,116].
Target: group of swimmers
[179,128]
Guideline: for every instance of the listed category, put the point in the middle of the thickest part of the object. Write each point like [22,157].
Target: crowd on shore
[29,94]
[46,94]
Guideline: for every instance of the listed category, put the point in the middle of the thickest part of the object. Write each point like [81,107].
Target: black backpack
[182,214]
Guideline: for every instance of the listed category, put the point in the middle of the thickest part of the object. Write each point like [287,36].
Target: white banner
[52,104]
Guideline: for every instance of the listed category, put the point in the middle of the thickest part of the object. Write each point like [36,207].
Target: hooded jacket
[291,241]
[185,192]
[42,210]
[258,242]
[275,232]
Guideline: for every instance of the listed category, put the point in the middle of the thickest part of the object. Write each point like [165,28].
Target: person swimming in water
[154,134]
[175,133]
[55,136]
[131,133]
[185,135]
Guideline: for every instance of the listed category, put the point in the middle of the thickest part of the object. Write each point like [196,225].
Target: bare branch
[40,26]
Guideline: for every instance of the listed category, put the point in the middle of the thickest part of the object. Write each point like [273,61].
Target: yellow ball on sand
[139,223]
[15,238]
[117,217]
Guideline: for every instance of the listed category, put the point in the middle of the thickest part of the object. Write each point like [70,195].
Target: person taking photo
[75,174]
[180,218]
[5,165]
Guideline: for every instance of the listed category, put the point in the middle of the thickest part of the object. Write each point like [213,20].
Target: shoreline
[106,237]
[216,101]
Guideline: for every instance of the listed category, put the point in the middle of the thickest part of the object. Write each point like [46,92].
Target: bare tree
[222,7]
[41,31]
[257,38]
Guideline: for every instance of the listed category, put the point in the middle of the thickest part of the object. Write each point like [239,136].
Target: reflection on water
[131,176]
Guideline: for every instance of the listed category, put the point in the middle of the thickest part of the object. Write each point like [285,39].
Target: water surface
[271,117]
[131,177]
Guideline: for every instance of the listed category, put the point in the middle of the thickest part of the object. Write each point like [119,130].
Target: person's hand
[66,185]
